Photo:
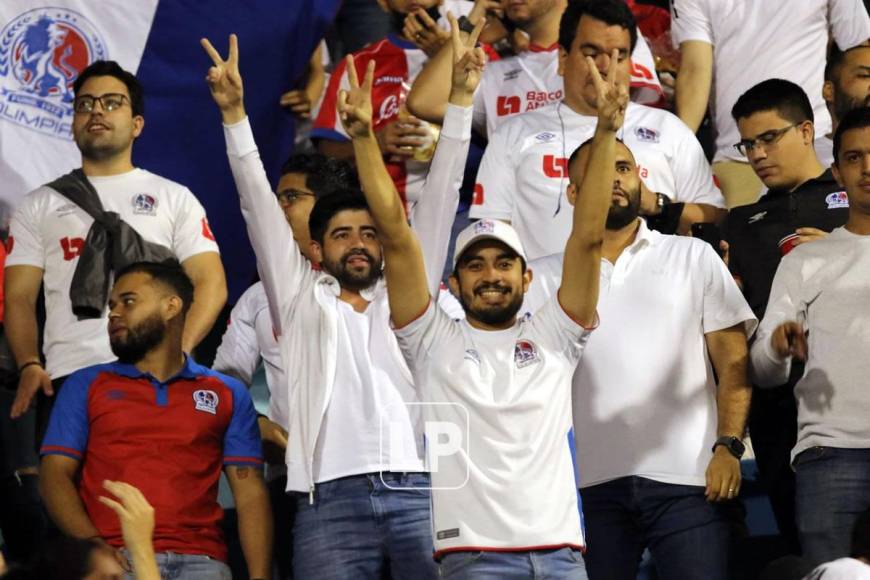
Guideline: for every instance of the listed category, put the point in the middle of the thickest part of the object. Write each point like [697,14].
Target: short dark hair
[861,536]
[110,68]
[323,175]
[327,207]
[588,142]
[169,273]
[613,12]
[836,57]
[855,119]
[785,97]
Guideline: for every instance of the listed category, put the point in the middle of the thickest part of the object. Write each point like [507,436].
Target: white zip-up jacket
[303,302]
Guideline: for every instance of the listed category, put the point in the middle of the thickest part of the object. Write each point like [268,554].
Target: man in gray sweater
[819,311]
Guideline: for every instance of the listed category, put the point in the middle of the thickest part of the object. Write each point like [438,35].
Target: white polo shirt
[506,394]
[523,175]
[49,231]
[644,392]
[531,80]
[758,40]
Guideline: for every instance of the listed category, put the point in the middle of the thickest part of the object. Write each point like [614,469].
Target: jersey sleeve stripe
[58,450]
[330,134]
[243,461]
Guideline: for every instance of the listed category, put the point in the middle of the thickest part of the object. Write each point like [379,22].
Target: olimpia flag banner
[45,44]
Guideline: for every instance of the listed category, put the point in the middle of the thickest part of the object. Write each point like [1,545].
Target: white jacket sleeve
[435,213]
[283,269]
[767,369]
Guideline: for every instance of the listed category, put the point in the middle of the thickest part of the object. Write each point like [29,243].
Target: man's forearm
[21,330]
[255,529]
[209,297]
[730,357]
[65,506]
[694,80]
[380,192]
[431,89]
[694,213]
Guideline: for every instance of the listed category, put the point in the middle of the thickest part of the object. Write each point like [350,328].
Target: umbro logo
[757,217]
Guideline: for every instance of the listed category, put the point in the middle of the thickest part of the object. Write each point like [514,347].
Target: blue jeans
[563,564]
[359,528]
[687,536]
[174,566]
[833,488]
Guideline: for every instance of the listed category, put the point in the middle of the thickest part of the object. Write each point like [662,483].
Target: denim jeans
[173,566]
[833,488]
[562,564]
[363,527]
[687,536]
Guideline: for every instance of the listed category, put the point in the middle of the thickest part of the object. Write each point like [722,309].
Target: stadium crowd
[538,276]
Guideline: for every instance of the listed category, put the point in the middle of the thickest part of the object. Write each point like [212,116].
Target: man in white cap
[504,497]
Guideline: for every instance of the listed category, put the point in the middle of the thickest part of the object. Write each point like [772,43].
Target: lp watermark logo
[444,448]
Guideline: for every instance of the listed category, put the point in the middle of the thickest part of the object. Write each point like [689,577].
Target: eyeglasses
[108,102]
[288,196]
[766,139]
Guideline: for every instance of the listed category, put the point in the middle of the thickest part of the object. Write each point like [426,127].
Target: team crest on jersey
[647,134]
[545,137]
[837,200]
[206,401]
[42,51]
[144,204]
[525,353]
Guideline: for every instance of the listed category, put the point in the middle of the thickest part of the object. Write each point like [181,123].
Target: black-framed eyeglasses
[766,139]
[108,102]
[290,195]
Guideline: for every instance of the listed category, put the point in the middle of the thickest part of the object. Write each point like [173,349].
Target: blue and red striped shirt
[168,439]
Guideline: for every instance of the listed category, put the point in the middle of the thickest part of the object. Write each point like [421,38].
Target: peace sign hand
[355,105]
[612,97]
[468,59]
[225,82]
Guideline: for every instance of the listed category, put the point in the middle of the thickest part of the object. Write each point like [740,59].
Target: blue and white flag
[45,44]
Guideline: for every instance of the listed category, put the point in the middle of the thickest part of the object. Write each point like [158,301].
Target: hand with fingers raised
[468,62]
[225,82]
[355,105]
[612,96]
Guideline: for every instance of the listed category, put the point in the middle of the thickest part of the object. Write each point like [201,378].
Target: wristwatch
[661,201]
[465,24]
[733,444]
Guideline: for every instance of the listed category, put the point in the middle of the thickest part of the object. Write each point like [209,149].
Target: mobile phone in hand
[709,233]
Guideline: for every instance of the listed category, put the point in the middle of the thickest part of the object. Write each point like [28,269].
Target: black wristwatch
[465,24]
[661,201]
[733,444]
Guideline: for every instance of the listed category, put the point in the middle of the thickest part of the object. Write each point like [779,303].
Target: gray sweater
[824,285]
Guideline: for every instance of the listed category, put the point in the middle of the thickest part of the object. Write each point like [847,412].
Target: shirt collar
[644,237]
[369,294]
[539,48]
[190,370]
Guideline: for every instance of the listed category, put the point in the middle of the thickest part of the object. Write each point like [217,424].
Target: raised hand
[612,96]
[424,32]
[789,339]
[225,82]
[355,105]
[468,59]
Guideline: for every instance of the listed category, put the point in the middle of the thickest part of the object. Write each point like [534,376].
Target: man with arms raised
[513,511]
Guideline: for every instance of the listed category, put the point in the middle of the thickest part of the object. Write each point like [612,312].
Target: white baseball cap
[486,229]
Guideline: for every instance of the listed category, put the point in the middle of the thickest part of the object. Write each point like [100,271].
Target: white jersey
[48,231]
[505,478]
[531,79]
[249,339]
[524,172]
[755,41]
[645,385]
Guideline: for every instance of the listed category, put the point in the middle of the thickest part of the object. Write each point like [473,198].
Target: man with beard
[803,203]
[362,506]
[48,235]
[159,421]
[524,82]
[658,444]
[847,87]
[504,503]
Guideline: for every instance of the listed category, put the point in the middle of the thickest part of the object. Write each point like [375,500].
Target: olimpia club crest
[42,51]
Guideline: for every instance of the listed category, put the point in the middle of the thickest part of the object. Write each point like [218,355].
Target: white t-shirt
[250,338]
[755,41]
[523,175]
[531,80]
[506,397]
[49,231]
[842,569]
[362,417]
[644,393]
